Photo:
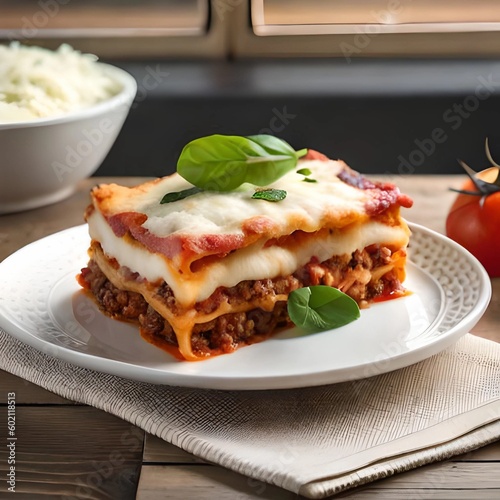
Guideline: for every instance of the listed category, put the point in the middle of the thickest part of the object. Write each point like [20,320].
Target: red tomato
[475,224]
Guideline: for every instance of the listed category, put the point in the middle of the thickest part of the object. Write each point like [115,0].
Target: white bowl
[41,161]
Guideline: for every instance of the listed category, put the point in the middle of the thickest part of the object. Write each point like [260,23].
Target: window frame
[141,43]
[362,41]
[230,35]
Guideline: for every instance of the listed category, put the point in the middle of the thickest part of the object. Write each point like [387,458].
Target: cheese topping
[305,206]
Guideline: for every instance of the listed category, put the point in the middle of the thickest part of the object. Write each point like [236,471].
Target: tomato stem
[483,188]
[493,162]
[465,191]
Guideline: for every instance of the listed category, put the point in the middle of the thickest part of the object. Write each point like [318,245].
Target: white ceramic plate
[41,304]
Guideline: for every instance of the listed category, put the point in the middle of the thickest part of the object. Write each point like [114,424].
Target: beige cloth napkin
[316,441]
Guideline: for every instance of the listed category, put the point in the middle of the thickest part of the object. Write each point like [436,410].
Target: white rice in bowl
[40,83]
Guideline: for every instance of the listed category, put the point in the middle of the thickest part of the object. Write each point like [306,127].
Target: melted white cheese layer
[250,263]
[305,206]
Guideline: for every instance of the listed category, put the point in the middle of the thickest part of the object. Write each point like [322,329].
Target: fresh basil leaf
[224,162]
[275,145]
[308,179]
[304,171]
[180,195]
[321,308]
[269,194]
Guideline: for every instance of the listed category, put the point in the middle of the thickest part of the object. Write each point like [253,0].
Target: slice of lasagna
[211,272]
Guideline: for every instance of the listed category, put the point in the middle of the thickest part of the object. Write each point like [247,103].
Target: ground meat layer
[350,273]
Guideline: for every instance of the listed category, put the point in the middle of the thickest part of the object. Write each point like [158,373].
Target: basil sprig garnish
[180,195]
[304,171]
[321,307]
[269,194]
[225,162]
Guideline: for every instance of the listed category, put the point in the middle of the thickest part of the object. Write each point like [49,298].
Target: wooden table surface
[68,450]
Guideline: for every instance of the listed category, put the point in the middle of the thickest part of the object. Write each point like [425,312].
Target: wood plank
[449,476]
[26,392]
[422,494]
[444,480]
[490,452]
[204,482]
[158,451]
[74,451]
